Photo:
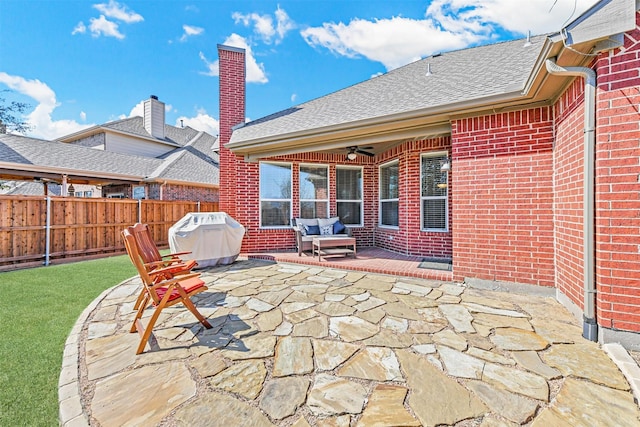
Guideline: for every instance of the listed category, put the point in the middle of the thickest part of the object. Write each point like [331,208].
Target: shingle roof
[456,77]
[39,152]
[195,162]
[135,126]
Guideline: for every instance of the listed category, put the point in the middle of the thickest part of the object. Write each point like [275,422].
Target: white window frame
[327,200]
[381,200]
[361,200]
[443,154]
[290,199]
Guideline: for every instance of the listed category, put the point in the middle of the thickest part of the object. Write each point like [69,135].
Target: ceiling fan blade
[366,153]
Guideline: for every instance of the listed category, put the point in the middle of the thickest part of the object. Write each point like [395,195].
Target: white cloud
[284,23]
[294,97]
[115,10]
[105,27]
[79,29]
[213,68]
[189,31]
[102,26]
[263,25]
[393,42]
[40,118]
[448,25]
[201,122]
[137,110]
[537,16]
[255,70]
[83,116]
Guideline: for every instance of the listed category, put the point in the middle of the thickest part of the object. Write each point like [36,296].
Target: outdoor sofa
[309,228]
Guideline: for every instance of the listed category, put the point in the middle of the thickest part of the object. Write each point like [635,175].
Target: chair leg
[192,308]
[139,300]
[141,308]
[146,332]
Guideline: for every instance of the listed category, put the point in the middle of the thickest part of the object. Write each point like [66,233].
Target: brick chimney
[232,113]
[154,117]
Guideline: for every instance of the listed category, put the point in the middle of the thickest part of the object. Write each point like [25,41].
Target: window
[389,194]
[314,191]
[275,194]
[349,194]
[434,200]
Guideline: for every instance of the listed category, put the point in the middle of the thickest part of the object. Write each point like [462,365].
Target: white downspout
[590,324]
[161,190]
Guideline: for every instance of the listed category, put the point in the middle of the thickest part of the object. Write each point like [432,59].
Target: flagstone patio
[301,345]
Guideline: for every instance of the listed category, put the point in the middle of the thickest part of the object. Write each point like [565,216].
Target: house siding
[117,143]
[618,186]
[503,197]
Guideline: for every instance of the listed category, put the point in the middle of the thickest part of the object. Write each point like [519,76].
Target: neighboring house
[130,158]
[481,155]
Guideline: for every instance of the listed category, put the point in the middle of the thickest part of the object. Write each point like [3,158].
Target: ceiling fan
[354,150]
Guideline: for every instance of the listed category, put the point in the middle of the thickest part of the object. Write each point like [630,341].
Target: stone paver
[294,345]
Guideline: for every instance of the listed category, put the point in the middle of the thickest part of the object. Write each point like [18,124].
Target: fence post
[47,232]
[139,210]
[198,205]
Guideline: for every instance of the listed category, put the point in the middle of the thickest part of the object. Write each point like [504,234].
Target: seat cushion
[311,230]
[189,285]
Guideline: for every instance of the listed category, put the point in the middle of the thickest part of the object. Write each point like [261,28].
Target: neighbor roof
[192,164]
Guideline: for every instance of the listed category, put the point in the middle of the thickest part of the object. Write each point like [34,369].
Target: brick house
[136,157]
[520,161]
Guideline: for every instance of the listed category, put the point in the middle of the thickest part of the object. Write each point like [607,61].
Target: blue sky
[79,63]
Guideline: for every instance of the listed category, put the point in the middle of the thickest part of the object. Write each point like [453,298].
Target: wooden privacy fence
[36,230]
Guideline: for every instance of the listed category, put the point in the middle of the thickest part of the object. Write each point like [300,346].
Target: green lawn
[38,308]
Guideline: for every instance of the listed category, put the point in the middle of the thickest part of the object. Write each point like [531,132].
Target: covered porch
[369,259]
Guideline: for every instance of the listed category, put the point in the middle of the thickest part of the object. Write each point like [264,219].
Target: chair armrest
[164,263]
[161,271]
[298,232]
[176,254]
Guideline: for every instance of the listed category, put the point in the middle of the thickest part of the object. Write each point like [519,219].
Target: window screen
[314,191]
[275,194]
[389,194]
[434,193]
[349,195]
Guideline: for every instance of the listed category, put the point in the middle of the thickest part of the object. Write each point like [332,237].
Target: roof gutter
[70,172]
[590,324]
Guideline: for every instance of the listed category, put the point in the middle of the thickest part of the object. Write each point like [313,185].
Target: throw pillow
[338,227]
[327,221]
[326,230]
[311,230]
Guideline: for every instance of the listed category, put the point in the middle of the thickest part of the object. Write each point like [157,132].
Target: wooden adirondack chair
[161,290]
[170,264]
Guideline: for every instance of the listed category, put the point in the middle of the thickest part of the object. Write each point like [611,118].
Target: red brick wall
[569,184]
[232,112]
[408,238]
[182,192]
[618,187]
[503,197]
